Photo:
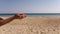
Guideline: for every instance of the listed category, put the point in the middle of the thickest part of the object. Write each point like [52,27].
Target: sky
[29,6]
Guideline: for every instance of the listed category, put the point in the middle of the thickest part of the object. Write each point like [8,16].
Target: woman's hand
[20,16]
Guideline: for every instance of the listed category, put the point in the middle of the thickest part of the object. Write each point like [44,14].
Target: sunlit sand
[32,25]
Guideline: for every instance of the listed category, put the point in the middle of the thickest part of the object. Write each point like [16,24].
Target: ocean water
[33,14]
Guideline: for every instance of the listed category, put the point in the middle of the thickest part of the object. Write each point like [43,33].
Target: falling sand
[32,25]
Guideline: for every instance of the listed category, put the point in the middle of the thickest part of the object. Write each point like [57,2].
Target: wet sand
[32,25]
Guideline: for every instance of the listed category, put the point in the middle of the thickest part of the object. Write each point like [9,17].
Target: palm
[20,16]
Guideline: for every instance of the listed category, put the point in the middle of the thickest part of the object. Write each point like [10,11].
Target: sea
[30,14]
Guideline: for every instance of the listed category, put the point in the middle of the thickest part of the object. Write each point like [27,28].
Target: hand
[20,16]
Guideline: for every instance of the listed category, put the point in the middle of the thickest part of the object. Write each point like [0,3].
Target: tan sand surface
[32,25]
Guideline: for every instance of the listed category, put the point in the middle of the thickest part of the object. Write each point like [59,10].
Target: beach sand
[32,25]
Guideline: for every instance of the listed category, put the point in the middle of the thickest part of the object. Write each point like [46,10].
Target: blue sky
[30,6]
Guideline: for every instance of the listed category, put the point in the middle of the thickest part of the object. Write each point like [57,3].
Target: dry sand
[32,25]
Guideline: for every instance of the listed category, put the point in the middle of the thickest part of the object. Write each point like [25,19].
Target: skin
[17,16]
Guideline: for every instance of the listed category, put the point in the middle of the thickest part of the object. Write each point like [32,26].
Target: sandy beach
[32,25]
